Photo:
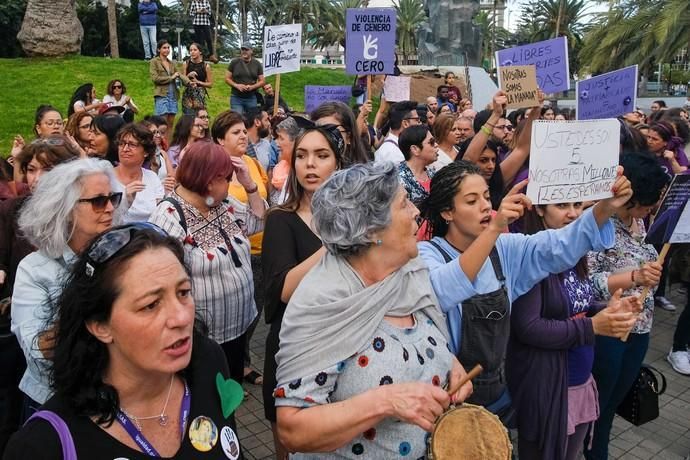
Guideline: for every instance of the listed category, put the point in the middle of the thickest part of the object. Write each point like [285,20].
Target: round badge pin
[230,443]
[203,433]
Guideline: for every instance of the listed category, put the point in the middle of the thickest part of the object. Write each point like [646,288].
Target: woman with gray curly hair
[363,342]
[72,204]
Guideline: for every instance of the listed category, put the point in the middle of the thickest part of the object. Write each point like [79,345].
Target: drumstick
[476,370]
[645,291]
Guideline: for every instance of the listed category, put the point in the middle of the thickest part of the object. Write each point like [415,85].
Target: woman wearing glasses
[141,187]
[117,96]
[420,150]
[79,127]
[213,228]
[34,161]
[71,205]
[133,374]
[477,271]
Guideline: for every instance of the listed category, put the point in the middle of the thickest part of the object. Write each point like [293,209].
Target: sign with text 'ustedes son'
[572,161]
[282,49]
[370,41]
[550,57]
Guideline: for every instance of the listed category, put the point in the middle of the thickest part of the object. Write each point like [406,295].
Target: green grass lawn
[26,83]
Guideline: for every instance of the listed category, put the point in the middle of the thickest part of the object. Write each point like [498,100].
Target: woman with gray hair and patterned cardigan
[363,345]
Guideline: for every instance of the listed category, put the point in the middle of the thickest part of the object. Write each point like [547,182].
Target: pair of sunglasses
[111,242]
[99,203]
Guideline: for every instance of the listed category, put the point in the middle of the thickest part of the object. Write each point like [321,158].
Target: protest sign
[314,96]
[396,89]
[672,221]
[572,160]
[520,85]
[282,49]
[607,95]
[370,41]
[550,57]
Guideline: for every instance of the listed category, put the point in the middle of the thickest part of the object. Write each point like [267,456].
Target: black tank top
[199,68]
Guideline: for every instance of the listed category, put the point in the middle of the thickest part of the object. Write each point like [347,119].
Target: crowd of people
[387,258]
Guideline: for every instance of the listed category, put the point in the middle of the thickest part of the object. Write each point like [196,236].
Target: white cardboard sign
[572,160]
[282,49]
[396,89]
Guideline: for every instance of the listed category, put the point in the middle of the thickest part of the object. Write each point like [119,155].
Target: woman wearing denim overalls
[475,289]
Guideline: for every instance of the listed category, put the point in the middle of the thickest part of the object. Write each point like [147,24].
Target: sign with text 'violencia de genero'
[370,41]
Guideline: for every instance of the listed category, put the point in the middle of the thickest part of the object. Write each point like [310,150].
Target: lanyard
[137,435]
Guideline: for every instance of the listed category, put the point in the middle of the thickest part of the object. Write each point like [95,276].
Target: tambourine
[469,432]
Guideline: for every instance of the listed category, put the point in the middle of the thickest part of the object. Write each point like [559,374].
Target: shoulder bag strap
[68,450]
[178,208]
[443,252]
[663,378]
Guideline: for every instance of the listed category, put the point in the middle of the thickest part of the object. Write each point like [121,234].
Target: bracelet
[632,278]
[489,124]
[485,130]
[254,190]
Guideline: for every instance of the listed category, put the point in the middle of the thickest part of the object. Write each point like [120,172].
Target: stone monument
[448,34]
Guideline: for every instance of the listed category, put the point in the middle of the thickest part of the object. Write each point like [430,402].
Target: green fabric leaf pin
[231,394]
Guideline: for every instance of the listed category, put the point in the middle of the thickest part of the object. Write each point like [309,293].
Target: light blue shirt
[526,260]
[37,286]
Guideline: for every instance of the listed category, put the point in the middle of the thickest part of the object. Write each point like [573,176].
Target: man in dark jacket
[148,18]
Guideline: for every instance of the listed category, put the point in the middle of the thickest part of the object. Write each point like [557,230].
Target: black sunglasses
[111,242]
[99,203]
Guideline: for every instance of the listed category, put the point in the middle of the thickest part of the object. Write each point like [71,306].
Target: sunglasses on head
[111,242]
[99,203]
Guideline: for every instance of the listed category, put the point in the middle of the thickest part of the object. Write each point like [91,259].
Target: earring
[448,222]
[379,242]
[209,200]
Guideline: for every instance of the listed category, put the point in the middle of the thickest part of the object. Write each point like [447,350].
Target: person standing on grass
[166,81]
[245,76]
[148,18]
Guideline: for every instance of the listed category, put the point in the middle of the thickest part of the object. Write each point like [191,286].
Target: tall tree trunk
[244,11]
[51,28]
[112,29]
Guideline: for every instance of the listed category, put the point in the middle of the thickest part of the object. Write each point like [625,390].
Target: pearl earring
[379,242]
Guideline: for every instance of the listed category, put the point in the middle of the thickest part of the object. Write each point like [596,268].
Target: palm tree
[303,12]
[494,37]
[330,29]
[50,28]
[410,16]
[112,29]
[639,32]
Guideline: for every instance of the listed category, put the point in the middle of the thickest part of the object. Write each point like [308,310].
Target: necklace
[162,418]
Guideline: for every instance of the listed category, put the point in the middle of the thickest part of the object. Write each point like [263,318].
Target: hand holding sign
[498,105]
[615,320]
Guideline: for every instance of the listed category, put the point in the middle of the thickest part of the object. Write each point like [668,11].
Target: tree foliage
[11,15]
[410,16]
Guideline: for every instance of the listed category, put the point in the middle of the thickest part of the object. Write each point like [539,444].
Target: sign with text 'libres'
[282,49]
[572,161]
[550,57]
[607,95]
[370,41]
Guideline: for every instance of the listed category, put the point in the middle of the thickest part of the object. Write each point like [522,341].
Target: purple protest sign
[370,41]
[671,221]
[314,96]
[550,57]
[607,95]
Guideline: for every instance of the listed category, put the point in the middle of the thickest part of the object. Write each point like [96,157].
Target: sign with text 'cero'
[572,161]
[550,57]
[370,41]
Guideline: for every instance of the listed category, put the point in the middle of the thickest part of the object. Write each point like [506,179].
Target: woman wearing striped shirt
[213,228]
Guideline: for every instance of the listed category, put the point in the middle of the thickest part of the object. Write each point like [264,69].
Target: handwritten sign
[397,89]
[314,96]
[607,95]
[282,48]
[672,221]
[520,85]
[370,41]
[550,57]
[572,160]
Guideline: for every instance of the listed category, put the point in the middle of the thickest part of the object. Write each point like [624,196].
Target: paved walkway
[666,438]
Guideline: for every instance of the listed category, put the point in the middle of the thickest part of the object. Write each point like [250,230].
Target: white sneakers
[679,361]
[663,303]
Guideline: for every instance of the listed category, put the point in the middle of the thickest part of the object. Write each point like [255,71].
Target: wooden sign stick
[645,291]
[368,87]
[276,95]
